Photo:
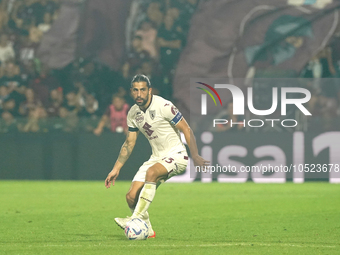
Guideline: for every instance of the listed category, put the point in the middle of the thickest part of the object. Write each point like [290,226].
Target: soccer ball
[136,229]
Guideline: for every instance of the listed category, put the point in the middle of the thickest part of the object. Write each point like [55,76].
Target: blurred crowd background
[89,96]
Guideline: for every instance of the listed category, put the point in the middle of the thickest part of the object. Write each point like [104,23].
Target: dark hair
[153,25]
[116,95]
[141,78]
[138,37]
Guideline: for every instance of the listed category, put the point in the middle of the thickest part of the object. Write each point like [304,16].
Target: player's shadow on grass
[117,237]
[98,237]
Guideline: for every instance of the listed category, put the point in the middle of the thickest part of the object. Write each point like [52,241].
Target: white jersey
[158,123]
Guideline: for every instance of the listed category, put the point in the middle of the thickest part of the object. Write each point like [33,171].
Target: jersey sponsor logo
[152,114]
[139,117]
[153,137]
[147,129]
[174,110]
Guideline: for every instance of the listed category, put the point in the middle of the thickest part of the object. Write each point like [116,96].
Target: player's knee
[151,175]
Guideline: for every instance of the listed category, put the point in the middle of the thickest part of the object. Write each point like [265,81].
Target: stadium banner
[66,156]
[248,38]
[91,29]
[266,130]
[101,33]
[81,156]
[58,46]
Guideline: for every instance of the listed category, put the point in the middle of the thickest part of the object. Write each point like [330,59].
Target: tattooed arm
[124,154]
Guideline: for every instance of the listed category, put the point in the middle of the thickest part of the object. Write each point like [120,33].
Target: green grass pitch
[214,218]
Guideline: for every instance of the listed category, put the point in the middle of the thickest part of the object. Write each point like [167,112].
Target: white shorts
[175,164]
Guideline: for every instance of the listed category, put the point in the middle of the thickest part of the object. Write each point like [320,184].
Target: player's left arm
[184,127]
[171,114]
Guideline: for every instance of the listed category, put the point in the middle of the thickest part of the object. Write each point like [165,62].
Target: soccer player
[160,121]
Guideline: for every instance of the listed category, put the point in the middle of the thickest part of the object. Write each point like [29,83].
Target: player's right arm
[124,154]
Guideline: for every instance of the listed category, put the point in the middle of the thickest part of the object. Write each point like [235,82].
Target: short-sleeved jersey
[158,124]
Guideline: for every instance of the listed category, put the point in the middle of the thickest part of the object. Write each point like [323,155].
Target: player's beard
[144,101]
